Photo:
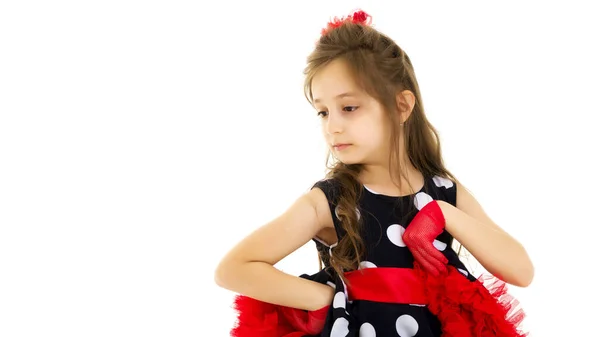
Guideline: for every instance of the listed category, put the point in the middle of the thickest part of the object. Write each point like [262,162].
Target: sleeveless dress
[384,220]
[392,295]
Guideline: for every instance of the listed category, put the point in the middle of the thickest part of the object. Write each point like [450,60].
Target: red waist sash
[391,285]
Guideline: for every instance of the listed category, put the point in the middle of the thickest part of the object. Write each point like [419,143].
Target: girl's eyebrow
[342,95]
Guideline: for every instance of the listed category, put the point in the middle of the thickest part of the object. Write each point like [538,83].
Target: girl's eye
[345,109]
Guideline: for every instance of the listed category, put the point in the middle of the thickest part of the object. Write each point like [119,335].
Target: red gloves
[420,234]
[309,322]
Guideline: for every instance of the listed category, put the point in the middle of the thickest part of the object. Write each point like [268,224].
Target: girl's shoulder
[330,186]
[441,188]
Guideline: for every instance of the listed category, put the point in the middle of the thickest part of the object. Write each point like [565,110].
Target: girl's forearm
[496,250]
[264,282]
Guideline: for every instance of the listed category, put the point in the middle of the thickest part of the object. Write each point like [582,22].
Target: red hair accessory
[359,17]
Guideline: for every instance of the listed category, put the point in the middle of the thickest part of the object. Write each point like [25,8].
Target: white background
[139,141]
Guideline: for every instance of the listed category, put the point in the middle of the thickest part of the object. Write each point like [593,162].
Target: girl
[389,267]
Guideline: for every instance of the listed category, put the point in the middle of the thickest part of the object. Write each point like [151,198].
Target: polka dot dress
[385,219]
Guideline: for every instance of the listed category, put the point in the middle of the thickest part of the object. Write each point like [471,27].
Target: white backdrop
[139,141]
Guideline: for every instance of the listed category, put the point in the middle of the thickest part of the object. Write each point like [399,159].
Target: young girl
[383,220]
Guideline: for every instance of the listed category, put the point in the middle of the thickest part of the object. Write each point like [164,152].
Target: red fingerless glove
[427,224]
[309,322]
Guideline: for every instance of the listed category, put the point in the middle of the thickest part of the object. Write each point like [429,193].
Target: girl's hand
[308,322]
[420,234]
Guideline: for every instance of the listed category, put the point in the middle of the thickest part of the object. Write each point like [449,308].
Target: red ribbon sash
[389,285]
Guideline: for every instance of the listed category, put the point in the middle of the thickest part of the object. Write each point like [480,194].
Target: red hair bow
[359,17]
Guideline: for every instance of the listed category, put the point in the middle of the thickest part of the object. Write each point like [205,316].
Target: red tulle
[482,308]
[359,17]
[257,318]
[472,309]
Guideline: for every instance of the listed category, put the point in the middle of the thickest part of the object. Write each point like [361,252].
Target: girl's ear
[405,102]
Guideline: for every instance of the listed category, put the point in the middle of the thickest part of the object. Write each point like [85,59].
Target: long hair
[382,69]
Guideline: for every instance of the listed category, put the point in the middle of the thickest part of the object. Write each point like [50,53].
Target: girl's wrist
[327,296]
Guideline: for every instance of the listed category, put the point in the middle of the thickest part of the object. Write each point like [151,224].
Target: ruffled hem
[482,308]
[258,318]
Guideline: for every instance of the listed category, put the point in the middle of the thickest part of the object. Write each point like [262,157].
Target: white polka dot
[367,330]
[422,199]
[345,290]
[331,284]
[339,300]
[394,234]
[340,328]
[406,326]
[440,181]
[464,272]
[439,245]
[366,264]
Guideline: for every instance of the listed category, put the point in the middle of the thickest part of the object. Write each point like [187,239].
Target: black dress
[384,220]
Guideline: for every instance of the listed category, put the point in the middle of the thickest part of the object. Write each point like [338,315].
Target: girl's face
[354,124]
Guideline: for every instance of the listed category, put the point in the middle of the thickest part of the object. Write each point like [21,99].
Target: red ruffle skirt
[482,308]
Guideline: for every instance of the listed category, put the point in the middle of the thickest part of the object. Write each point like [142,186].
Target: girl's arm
[496,250]
[248,269]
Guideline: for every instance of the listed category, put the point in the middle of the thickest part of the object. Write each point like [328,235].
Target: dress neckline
[395,197]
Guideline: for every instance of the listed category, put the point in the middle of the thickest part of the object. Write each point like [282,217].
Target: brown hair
[383,70]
